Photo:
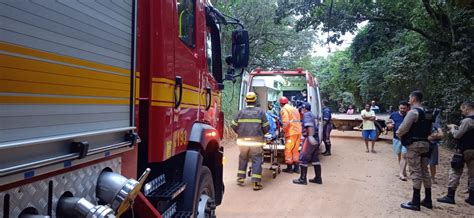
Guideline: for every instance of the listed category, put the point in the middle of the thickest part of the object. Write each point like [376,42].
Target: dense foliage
[272,46]
[407,45]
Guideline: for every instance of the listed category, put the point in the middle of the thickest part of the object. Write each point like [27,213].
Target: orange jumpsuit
[291,120]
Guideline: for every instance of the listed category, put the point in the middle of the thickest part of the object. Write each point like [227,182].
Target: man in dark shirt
[301,98]
[396,118]
[327,127]
[309,152]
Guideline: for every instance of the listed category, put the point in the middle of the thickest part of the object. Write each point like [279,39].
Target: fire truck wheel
[206,206]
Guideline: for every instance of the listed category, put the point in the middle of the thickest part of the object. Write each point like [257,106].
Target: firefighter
[309,152]
[290,118]
[414,132]
[251,125]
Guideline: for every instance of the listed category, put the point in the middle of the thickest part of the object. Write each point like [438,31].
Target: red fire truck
[94,93]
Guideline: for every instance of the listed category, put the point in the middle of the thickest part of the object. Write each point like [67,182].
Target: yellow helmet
[251,97]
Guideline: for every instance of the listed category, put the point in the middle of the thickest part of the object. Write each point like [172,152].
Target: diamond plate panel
[80,182]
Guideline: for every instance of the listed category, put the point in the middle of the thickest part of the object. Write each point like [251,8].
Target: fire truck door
[187,72]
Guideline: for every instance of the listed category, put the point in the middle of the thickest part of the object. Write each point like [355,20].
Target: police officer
[291,120]
[327,127]
[465,136]
[309,152]
[414,132]
[251,125]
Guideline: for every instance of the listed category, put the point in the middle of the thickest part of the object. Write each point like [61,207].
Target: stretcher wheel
[274,174]
[279,169]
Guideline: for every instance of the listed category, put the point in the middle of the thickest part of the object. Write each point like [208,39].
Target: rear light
[211,134]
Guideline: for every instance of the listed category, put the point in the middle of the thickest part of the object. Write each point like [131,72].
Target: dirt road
[355,183]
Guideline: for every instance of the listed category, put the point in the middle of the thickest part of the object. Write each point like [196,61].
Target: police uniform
[414,132]
[327,127]
[465,136]
[309,152]
[251,125]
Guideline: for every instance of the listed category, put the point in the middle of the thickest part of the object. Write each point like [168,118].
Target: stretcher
[273,154]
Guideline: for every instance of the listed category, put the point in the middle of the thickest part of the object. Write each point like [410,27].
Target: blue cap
[306,106]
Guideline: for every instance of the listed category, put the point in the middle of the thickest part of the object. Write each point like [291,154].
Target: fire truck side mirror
[240,48]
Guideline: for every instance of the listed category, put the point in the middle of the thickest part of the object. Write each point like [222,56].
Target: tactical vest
[466,142]
[419,130]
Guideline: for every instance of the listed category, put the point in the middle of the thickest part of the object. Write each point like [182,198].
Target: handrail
[61,137]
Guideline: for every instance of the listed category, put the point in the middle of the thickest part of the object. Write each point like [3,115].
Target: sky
[323,51]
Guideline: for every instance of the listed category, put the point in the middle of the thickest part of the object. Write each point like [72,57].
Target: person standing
[414,132]
[251,125]
[327,127]
[465,147]
[368,127]
[309,152]
[350,110]
[374,107]
[435,138]
[291,121]
[394,122]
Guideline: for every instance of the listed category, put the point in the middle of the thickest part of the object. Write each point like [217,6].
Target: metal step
[183,214]
[167,192]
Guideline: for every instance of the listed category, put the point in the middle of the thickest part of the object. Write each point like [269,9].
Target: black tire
[206,187]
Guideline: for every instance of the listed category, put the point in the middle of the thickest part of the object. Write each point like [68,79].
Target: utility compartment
[66,82]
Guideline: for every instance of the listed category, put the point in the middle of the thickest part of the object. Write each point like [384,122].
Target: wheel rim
[206,207]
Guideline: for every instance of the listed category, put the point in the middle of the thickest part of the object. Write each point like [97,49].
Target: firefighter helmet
[283,100]
[251,97]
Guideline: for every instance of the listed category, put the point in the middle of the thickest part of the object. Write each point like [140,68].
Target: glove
[312,140]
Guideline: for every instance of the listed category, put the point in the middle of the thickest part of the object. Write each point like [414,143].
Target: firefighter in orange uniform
[291,121]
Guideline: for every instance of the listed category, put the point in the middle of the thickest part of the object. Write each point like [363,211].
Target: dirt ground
[355,183]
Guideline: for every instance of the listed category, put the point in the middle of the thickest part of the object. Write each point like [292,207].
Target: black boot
[317,175]
[414,204]
[289,168]
[449,198]
[296,168]
[328,150]
[470,199]
[427,201]
[302,179]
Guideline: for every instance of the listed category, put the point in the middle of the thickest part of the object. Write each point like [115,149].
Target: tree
[272,46]
[446,26]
